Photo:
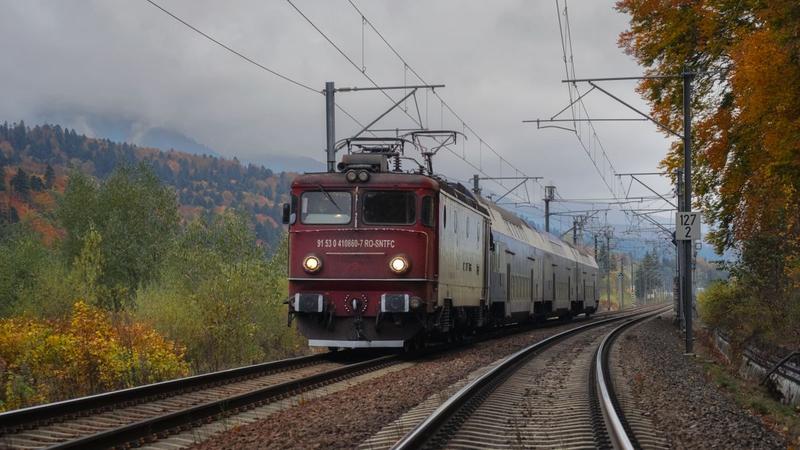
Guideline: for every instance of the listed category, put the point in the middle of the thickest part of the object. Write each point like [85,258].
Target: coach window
[427,211]
[389,207]
[325,207]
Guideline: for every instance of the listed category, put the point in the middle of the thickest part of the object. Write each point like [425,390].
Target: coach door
[508,285]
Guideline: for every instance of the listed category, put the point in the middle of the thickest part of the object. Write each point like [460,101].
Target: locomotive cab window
[389,207]
[325,207]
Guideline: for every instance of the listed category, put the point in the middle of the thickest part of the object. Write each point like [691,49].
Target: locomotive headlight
[351,176]
[399,265]
[363,176]
[312,264]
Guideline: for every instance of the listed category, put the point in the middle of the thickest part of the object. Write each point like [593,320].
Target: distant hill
[164,139]
[120,129]
[203,183]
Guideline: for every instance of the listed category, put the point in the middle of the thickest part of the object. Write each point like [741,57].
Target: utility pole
[476,184]
[621,283]
[633,283]
[330,124]
[646,284]
[549,195]
[330,113]
[608,268]
[688,306]
[678,286]
[575,222]
[685,253]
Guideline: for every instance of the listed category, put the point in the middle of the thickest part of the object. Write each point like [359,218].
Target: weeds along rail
[538,396]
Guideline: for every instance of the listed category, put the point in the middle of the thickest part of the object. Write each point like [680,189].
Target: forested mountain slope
[35,161]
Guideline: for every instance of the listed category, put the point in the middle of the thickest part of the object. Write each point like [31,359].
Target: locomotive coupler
[358,321]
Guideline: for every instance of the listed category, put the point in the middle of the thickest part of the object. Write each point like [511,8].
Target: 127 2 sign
[687,226]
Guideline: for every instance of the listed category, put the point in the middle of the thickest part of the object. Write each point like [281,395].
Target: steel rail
[427,431]
[170,423]
[12,421]
[619,431]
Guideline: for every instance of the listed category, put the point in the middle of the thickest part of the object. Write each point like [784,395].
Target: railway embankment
[695,401]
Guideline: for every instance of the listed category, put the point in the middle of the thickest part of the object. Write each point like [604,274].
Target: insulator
[397,163]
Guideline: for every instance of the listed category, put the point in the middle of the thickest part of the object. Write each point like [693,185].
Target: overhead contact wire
[443,102]
[247,58]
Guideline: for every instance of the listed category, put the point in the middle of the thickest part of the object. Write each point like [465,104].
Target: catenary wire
[443,103]
[248,59]
[350,60]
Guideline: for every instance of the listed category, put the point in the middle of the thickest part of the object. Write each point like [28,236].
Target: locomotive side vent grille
[394,302]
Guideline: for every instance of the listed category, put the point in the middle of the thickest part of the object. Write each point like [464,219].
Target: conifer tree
[49,177]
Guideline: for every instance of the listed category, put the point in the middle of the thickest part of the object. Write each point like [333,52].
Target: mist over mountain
[286,163]
[133,131]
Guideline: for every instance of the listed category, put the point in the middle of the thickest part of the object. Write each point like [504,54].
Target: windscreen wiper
[329,197]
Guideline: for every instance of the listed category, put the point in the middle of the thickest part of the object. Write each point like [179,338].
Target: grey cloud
[501,61]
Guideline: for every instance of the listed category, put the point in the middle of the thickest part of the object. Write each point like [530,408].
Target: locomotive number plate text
[355,243]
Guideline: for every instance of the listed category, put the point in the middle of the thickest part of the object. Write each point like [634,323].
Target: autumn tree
[746,127]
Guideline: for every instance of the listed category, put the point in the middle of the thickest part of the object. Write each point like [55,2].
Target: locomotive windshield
[389,207]
[325,208]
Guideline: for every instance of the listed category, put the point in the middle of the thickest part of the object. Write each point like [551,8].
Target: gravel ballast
[345,419]
[691,411]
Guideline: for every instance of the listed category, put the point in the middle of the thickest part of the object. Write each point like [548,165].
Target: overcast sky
[501,62]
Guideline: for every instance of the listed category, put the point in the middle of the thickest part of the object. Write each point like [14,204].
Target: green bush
[23,260]
[728,306]
[220,297]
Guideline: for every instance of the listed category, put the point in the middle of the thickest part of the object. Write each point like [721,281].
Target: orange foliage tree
[746,110]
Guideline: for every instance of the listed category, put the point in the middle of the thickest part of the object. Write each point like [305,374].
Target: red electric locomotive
[386,258]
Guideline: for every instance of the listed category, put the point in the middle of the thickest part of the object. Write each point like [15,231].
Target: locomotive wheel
[414,344]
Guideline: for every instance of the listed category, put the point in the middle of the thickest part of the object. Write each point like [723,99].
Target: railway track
[143,415]
[139,415]
[556,393]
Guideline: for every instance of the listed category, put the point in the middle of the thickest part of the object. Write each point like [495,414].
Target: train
[382,257]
